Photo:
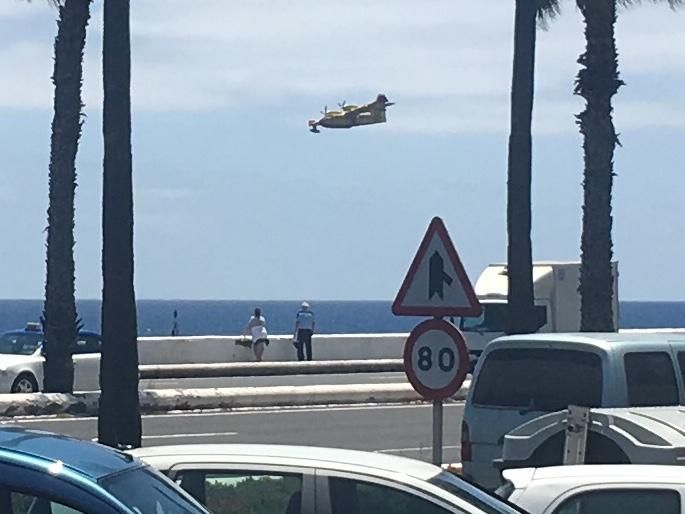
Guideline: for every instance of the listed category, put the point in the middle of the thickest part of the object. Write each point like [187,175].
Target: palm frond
[673,4]
[53,3]
[548,10]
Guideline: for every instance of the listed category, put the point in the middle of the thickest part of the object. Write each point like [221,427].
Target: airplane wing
[353,113]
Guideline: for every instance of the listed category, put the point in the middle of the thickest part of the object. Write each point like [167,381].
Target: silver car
[520,378]
[279,479]
[592,489]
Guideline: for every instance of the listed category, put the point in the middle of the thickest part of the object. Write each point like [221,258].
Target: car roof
[21,331]
[603,341]
[88,333]
[42,449]
[305,456]
[586,474]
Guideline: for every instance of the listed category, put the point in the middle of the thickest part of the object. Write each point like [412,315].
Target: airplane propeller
[342,104]
[325,110]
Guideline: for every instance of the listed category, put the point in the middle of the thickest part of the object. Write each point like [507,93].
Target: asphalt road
[397,429]
[348,378]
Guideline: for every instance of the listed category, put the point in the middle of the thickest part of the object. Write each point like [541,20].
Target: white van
[557,302]
[520,378]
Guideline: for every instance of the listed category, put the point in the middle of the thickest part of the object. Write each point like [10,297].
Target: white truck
[557,302]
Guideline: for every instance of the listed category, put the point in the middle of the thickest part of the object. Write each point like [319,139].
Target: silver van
[519,378]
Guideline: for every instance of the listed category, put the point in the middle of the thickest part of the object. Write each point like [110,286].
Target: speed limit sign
[436,359]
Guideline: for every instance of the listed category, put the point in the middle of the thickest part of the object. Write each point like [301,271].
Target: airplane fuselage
[363,118]
[352,115]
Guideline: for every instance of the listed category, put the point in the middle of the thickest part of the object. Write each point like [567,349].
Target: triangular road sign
[436,283]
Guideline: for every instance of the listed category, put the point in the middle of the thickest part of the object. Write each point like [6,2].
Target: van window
[541,379]
[681,362]
[650,379]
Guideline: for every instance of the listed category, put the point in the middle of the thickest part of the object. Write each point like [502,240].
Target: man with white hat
[304,329]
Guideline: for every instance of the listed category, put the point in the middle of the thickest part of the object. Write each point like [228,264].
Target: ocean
[228,317]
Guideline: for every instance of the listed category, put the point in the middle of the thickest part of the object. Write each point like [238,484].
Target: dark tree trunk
[598,81]
[59,318]
[519,255]
[119,420]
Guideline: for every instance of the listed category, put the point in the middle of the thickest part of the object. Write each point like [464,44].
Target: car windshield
[492,319]
[19,344]
[472,494]
[146,491]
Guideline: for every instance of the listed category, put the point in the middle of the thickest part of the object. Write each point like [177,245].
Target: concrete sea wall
[210,349]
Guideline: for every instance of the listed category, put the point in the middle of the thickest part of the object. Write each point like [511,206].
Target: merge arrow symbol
[437,278]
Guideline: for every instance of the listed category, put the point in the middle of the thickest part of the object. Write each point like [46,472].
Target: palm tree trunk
[598,81]
[59,318]
[519,255]
[119,421]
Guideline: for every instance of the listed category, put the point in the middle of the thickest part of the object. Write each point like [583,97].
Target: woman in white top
[257,328]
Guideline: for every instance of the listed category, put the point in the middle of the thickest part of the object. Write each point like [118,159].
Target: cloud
[165,194]
[14,9]
[447,64]
[28,84]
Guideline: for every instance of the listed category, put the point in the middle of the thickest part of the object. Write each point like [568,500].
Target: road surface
[396,429]
[347,378]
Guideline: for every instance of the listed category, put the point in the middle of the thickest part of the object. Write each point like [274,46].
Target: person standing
[256,327]
[175,332]
[304,329]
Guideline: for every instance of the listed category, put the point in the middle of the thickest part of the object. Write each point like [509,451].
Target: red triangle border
[399,309]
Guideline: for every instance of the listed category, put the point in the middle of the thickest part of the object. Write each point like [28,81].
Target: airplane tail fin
[383,101]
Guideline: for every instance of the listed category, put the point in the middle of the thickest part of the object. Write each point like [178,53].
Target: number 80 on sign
[436,359]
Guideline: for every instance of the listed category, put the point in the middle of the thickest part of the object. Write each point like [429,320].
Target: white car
[21,361]
[596,489]
[280,479]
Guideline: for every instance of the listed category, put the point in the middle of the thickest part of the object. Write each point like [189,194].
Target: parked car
[21,360]
[519,378]
[592,489]
[268,479]
[627,435]
[44,473]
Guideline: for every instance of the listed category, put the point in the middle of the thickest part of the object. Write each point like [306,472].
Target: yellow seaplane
[349,116]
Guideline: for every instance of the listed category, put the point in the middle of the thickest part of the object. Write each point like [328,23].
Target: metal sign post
[435,361]
[437,432]
[435,354]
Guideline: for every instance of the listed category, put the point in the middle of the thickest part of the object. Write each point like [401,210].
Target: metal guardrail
[168,400]
[265,369]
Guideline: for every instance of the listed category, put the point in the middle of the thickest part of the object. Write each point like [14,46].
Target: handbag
[244,341]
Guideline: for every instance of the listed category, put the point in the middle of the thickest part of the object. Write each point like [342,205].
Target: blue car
[44,473]
[21,360]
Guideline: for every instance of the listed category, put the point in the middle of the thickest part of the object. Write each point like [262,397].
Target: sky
[235,199]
